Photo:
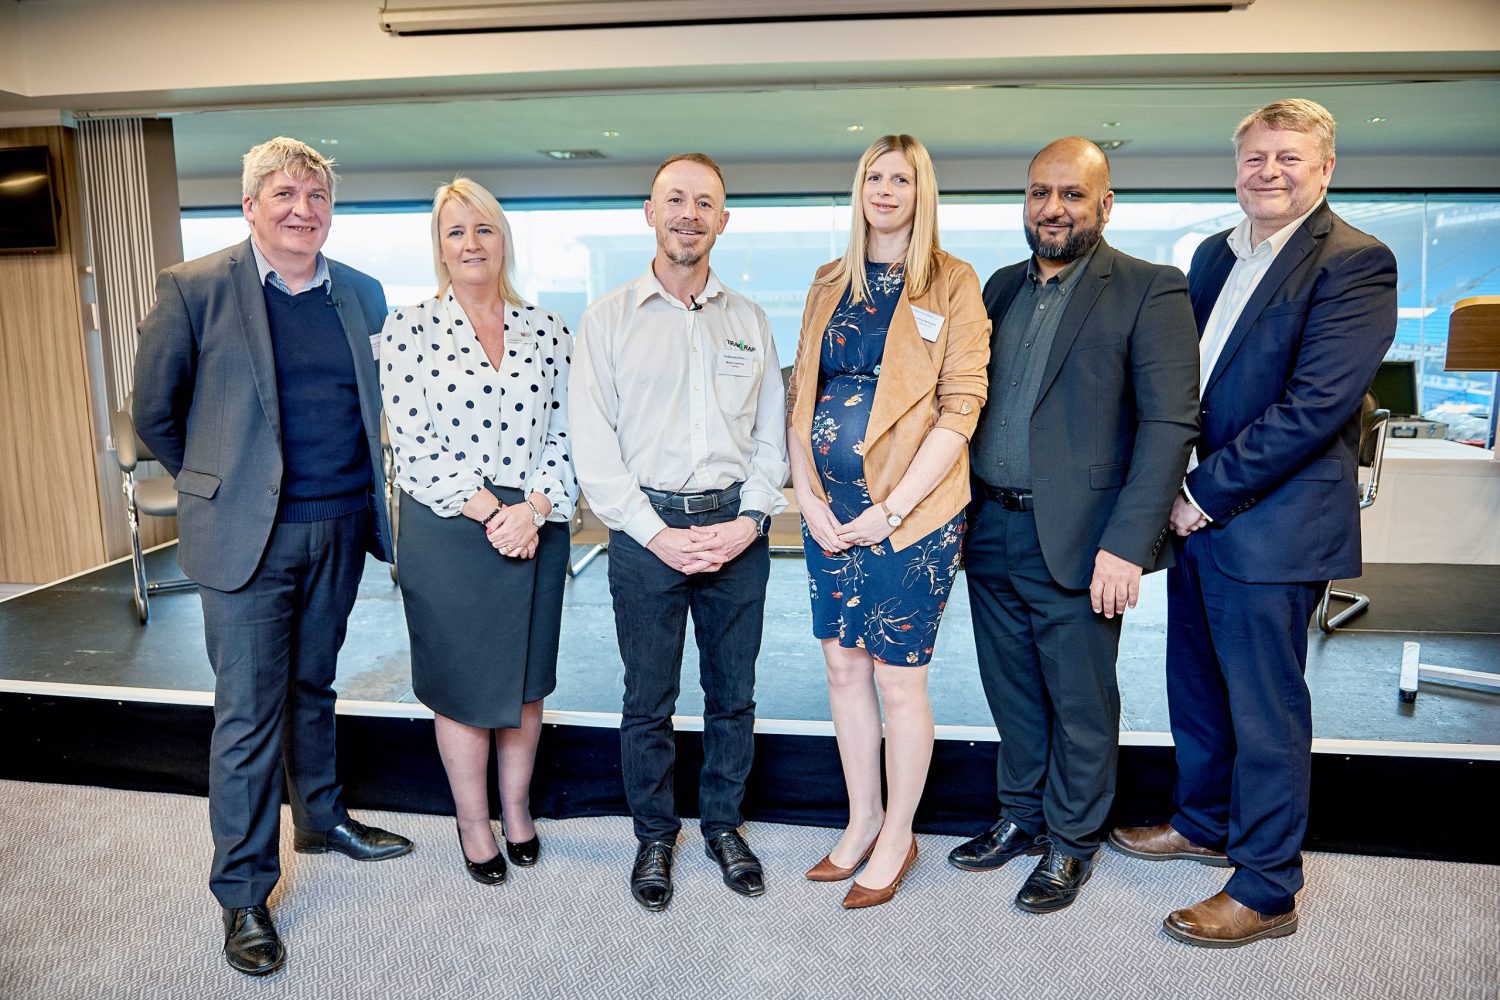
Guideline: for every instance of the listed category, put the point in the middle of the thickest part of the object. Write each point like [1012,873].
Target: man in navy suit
[1296,309]
[255,385]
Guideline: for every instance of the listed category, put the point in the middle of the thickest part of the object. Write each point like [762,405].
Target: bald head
[1080,152]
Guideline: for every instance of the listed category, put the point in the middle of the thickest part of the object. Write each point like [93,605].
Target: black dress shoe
[741,868]
[526,852]
[1055,882]
[251,943]
[651,878]
[995,847]
[352,838]
[491,872]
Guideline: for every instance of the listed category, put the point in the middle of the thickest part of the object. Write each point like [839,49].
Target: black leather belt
[693,503]
[1008,499]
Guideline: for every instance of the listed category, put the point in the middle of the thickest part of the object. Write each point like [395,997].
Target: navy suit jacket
[1280,413]
[1114,416]
[205,402]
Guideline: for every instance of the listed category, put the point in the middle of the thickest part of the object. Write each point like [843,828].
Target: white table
[1439,502]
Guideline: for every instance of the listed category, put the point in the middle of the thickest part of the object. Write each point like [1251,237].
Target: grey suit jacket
[1115,416]
[205,402]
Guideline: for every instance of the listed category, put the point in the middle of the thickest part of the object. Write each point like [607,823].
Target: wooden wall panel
[50,516]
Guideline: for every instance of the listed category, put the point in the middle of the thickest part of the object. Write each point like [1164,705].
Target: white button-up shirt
[676,398]
[455,420]
[1250,266]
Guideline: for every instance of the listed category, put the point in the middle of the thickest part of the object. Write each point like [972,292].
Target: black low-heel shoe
[525,853]
[491,872]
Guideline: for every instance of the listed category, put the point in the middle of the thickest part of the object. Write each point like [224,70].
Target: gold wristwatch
[891,517]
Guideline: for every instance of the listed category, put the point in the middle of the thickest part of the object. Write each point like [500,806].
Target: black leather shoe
[491,872]
[741,868]
[1055,882]
[995,847]
[354,839]
[526,852]
[251,943]
[651,878]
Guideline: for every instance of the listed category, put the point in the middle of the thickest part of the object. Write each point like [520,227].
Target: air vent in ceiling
[573,154]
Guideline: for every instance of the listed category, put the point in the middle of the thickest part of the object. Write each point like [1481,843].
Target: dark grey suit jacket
[1116,414]
[205,402]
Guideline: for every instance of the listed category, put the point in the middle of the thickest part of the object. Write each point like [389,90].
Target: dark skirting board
[1359,801]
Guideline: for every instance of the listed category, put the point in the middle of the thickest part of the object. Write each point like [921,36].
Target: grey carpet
[102,894]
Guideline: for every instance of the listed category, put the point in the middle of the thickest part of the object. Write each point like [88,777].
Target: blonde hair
[923,246]
[297,158]
[474,196]
[1295,114]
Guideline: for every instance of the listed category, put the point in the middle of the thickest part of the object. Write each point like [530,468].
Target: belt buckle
[710,502]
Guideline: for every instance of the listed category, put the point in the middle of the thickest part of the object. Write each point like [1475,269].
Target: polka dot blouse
[455,421]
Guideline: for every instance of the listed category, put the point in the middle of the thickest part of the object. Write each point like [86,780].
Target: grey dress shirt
[1002,444]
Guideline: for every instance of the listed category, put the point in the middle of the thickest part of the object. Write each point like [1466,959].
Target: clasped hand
[869,528]
[1186,518]
[512,532]
[702,548]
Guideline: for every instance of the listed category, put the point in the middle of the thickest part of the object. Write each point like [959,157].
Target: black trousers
[652,602]
[274,646]
[1048,666]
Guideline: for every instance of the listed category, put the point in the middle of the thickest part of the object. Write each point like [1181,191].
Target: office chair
[154,497]
[1374,422]
[392,491]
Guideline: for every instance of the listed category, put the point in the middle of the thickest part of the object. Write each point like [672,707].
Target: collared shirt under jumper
[1002,443]
[456,422]
[679,398]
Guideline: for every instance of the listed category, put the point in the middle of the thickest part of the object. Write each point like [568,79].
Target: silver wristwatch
[537,517]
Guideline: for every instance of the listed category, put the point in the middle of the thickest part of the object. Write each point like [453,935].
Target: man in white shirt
[678,416]
[1297,309]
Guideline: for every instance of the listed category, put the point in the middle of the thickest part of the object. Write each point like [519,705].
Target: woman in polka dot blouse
[475,389]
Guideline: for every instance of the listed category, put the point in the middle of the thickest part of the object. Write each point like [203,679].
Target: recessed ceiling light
[1109,124]
[328,142]
[1377,120]
[854,128]
[610,133]
[573,154]
[1109,145]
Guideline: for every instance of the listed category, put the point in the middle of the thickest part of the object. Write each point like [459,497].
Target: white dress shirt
[1250,266]
[455,421]
[677,399]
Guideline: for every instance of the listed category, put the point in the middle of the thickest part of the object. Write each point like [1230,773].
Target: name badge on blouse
[929,324]
[375,346]
[740,363]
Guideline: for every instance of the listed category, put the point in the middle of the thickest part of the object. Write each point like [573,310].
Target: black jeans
[652,602]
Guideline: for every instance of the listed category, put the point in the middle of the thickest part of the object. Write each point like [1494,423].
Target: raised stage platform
[87,695]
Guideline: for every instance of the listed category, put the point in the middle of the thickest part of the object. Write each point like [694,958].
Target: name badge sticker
[740,363]
[375,345]
[929,324]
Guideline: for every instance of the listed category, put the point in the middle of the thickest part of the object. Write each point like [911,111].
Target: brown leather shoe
[860,897]
[1163,843]
[827,871]
[1221,921]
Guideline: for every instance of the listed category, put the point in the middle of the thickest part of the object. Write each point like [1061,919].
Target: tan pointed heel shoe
[827,871]
[859,897]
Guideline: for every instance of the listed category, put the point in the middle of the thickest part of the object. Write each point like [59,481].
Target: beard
[1078,243]
[684,256]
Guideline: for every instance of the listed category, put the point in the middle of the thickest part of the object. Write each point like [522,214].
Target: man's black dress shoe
[352,838]
[1055,882]
[995,847]
[741,868]
[526,852]
[251,943]
[651,878]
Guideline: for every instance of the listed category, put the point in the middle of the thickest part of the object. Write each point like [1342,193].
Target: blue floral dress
[884,602]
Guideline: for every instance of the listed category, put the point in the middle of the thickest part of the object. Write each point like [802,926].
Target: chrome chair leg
[137,558]
[1357,604]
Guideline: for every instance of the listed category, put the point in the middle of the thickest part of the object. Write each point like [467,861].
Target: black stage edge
[392,763]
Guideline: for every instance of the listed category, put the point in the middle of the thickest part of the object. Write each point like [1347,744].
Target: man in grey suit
[255,386]
[1079,452]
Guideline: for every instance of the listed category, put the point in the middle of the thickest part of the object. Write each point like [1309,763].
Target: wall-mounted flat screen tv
[28,208]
